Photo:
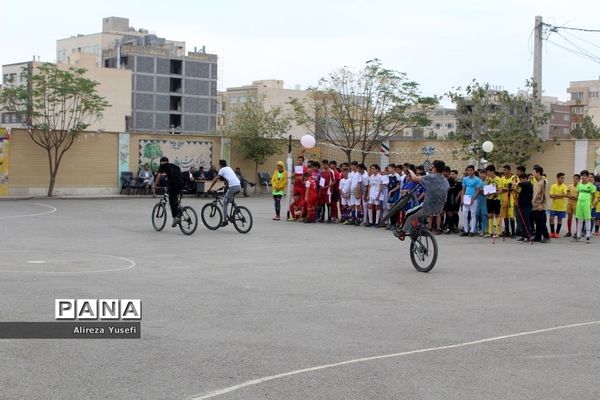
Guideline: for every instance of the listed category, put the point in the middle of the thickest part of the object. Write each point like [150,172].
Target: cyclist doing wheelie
[233,186]
[174,186]
[436,189]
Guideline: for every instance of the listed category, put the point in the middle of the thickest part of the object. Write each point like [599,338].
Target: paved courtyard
[293,311]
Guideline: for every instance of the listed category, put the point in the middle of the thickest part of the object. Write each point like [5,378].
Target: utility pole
[537,56]
[537,73]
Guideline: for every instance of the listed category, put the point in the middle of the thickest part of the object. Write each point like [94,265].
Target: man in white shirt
[233,186]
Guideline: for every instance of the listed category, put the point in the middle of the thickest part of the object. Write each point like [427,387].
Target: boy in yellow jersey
[507,200]
[559,193]
[493,203]
[572,203]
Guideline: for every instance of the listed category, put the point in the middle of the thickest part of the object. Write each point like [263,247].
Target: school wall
[88,167]
[91,166]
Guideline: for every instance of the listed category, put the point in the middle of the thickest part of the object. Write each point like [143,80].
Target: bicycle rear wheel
[159,216]
[424,251]
[242,219]
[211,216]
[189,220]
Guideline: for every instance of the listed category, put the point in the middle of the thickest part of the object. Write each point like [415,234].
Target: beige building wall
[274,95]
[115,86]
[89,167]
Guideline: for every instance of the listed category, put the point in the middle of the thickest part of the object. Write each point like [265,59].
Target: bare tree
[359,110]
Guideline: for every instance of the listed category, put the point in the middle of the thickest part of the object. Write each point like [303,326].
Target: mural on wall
[123,152]
[184,153]
[4,144]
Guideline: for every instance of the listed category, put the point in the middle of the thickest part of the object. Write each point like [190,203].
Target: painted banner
[123,152]
[184,153]
[4,151]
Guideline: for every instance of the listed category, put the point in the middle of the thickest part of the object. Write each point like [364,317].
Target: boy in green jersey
[583,213]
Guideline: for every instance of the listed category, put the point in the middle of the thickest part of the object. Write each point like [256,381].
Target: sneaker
[224,223]
[276,218]
[471,234]
[176,222]
[485,236]
[437,232]
[545,240]
[576,238]
[587,240]
[463,234]
[568,234]
[521,239]
[401,235]
[596,233]
[291,219]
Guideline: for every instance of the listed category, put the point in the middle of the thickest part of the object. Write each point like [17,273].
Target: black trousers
[540,224]
[524,219]
[174,199]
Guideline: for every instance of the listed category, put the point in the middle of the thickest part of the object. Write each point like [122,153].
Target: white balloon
[308,141]
[487,146]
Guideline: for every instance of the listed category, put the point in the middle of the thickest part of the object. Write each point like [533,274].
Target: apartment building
[114,85]
[273,93]
[585,99]
[443,125]
[172,91]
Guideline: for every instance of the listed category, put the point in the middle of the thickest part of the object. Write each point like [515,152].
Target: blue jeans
[228,199]
[482,214]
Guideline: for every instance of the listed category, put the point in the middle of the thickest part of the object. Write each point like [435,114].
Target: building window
[565,131]
[578,110]
[577,96]
[438,126]
[449,126]
[593,95]
[575,125]
[565,117]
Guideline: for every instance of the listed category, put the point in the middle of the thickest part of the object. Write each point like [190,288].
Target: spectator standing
[539,206]
[278,183]
[471,187]
[524,205]
[559,193]
[572,204]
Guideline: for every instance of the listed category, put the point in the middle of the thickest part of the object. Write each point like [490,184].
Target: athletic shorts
[344,201]
[559,214]
[354,201]
[583,211]
[335,196]
[493,206]
[595,213]
[507,212]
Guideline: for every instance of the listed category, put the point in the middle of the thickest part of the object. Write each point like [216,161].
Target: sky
[439,44]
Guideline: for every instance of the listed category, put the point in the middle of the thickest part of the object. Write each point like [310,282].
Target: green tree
[358,110]
[55,106]
[257,132]
[511,122]
[586,129]
[152,151]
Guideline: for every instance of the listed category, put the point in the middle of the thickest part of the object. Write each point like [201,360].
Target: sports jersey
[558,190]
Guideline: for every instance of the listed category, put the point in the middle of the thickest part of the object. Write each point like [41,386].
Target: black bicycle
[188,219]
[423,245]
[212,216]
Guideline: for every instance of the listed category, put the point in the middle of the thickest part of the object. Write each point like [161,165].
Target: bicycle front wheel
[159,216]
[189,220]
[424,251]
[211,216]
[242,219]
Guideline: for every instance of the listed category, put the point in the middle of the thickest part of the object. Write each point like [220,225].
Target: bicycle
[423,245]
[212,216]
[188,219]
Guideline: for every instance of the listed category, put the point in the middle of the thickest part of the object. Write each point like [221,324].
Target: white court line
[52,210]
[132,264]
[254,382]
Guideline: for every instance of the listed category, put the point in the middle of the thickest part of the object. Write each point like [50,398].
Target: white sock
[588,228]
[377,216]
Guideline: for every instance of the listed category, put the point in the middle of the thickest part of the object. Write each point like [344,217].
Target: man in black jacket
[174,185]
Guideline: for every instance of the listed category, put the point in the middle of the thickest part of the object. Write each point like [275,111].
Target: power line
[554,28]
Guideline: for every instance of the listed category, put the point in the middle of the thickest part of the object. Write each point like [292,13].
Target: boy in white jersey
[364,186]
[344,188]
[375,192]
[355,192]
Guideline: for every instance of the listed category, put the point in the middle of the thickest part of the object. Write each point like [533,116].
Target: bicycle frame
[398,205]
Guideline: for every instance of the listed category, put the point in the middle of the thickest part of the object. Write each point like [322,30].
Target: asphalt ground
[293,311]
